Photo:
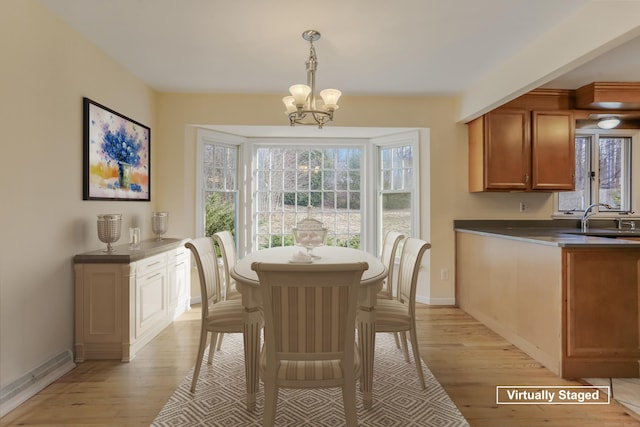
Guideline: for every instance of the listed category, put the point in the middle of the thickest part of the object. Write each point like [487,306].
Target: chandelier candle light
[303,108]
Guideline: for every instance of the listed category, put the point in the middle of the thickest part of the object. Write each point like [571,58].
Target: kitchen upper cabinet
[521,150]
[553,157]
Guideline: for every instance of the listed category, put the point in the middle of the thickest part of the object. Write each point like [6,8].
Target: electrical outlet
[523,207]
[444,274]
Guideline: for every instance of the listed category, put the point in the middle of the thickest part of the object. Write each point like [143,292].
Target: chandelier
[303,107]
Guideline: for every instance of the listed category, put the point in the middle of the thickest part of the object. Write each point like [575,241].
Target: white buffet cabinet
[125,298]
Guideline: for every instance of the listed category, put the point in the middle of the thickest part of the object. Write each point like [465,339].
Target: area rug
[398,399]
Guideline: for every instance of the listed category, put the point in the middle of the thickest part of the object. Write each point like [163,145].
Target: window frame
[204,136]
[395,141]
[371,235]
[365,171]
[634,171]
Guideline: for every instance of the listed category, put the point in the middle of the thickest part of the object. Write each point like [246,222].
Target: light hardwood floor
[467,358]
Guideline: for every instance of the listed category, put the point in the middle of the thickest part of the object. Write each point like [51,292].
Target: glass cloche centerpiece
[309,233]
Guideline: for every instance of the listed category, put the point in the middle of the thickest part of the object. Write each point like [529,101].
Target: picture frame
[116,155]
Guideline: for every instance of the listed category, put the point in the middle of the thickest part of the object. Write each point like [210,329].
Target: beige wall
[46,70]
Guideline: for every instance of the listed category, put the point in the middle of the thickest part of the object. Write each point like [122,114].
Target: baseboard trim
[30,384]
[435,301]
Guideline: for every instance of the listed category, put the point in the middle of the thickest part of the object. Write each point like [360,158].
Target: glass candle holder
[159,224]
[134,238]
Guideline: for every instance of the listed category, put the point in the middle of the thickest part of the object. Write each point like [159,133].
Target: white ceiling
[368,47]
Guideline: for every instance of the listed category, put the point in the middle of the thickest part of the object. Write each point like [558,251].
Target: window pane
[220,191]
[613,172]
[219,156]
[579,199]
[342,181]
[396,181]
[386,179]
[329,200]
[310,178]
[220,212]
[603,162]
[396,213]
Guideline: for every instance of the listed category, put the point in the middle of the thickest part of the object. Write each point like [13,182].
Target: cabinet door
[602,294]
[179,282]
[553,150]
[507,149]
[151,307]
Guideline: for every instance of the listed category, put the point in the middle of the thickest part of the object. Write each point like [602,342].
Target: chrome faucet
[622,223]
[584,222]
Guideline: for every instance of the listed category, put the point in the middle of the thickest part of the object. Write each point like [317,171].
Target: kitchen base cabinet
[574,310]
[125,298]
[515,289]
[602,321]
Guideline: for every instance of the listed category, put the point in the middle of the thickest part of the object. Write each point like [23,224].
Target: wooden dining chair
[399,314]
[229,256]
[218,315]
[390,245]
[309,315]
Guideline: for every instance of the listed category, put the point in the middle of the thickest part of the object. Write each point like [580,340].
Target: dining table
[248,285]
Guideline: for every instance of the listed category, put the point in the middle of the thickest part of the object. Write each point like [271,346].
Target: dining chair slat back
[229,256]
[390,246]
[398,315]
[218,316]
[388,257]
[309,318]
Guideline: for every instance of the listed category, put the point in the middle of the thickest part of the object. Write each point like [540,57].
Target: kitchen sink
[608,232]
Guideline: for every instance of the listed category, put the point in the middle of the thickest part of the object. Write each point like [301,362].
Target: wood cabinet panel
[179,281]
[575,310]
[543,99]
[507,150]
[521,150]
[151,299]
[553,150]
[602,310]
[515,289]
[102,310]
[499,151]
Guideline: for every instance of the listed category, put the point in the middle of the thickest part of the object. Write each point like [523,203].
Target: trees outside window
[220,195]
[260,188]
[290,179]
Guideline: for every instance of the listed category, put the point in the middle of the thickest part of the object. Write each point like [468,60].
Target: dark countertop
[563,233]
[123,255]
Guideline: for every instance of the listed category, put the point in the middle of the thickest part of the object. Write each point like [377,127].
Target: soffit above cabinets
[608,95]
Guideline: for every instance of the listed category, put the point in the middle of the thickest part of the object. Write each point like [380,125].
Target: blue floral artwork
[116,155]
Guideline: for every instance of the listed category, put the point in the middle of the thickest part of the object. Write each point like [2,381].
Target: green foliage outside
[302,199]
[353,242]
[277,240]
[219,215]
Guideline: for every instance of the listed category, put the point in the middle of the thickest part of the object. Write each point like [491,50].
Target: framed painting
[116,155]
